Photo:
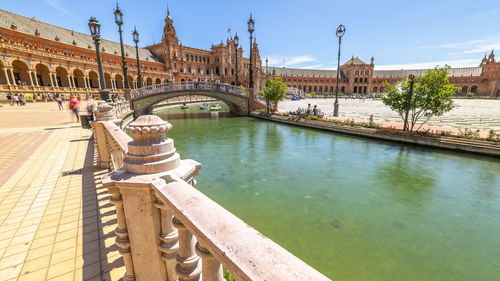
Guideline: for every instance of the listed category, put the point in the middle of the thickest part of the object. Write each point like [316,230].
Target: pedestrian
[315,110]
[16,99]
[9,98]
[74,104]
[308,110]
[21,99]
[59,102]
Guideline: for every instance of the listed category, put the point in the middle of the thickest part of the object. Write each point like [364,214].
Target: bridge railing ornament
[211,86]
[168,230]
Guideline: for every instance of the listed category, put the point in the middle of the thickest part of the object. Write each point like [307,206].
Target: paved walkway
[56,222]
[472,114]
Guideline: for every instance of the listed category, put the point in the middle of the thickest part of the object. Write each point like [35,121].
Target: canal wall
[450,143]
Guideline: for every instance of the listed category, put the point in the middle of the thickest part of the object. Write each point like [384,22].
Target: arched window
[355,89]
[356,80]
[465,89]
[367,72]
[366,80]
[473,89]
[357,72]
[364,89]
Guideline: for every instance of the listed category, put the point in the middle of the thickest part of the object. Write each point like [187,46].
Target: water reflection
[407,176]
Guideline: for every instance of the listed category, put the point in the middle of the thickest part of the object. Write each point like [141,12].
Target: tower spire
[168,11]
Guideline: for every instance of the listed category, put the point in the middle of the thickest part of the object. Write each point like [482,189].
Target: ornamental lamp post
[340,32]
[406,126]
[119,21]
[236,45]
[135,35]
[251,29]
[95,31]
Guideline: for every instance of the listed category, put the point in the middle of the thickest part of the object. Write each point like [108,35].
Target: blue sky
[399,34]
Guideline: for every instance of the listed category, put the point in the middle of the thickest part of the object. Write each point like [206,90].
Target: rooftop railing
[166,228]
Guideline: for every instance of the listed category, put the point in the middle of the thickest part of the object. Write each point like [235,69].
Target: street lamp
[95,31]
[251,29]
[119,21]
[135,35]
[236,45]
[340,32]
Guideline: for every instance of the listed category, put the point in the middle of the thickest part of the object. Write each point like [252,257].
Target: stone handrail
[167,229]
[212,86]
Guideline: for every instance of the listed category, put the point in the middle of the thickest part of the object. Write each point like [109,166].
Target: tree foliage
[274,91]
[432,96]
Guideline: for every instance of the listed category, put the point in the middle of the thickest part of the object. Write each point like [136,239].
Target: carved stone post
[169,240]
[211,269]
[188,265]
[122,241]
[153,239]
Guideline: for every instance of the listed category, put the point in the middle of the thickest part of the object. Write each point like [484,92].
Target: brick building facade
[358,77]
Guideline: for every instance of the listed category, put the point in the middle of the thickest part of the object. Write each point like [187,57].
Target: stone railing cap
[149,124]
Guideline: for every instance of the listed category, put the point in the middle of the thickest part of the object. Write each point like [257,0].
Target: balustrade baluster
[122,241]
[169,244]
[188,266]
[211,269]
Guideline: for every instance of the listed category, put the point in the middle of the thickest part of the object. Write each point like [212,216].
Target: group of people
[314,110]
[17,99]
[77,104]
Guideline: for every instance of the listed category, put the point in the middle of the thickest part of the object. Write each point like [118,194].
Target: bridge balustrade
[167,229]
[211,86]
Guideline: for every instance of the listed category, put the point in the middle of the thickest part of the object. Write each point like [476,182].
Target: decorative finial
[168,11]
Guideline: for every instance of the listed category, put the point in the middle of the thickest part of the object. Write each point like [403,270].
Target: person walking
[15,99]
[22,99]
[59,101]
[9,98]
[74,104]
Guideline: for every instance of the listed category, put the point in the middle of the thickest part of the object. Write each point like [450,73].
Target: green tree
[432,96]
[312,94]
[274,91]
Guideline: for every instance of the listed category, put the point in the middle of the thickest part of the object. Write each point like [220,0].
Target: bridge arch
[146,98]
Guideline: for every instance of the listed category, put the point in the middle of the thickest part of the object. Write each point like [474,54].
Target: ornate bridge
[237,98]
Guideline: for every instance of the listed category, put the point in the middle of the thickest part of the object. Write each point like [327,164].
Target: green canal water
[353,208]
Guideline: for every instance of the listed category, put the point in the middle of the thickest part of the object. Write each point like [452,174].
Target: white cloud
[58,6]
[290,61]
[426,65]
[471,46]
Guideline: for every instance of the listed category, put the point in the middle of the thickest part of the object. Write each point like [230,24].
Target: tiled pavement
[56,222]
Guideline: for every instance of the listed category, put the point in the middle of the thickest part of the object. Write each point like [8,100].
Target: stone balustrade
[210,86]
[166,228]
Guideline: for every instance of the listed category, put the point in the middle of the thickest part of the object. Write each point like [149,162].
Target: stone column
[152,237]
[12,76]
[85,77]
[30,74]
[113,84]
[6,73]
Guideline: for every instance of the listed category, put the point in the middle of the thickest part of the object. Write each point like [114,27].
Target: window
[356,80]
[355,89]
